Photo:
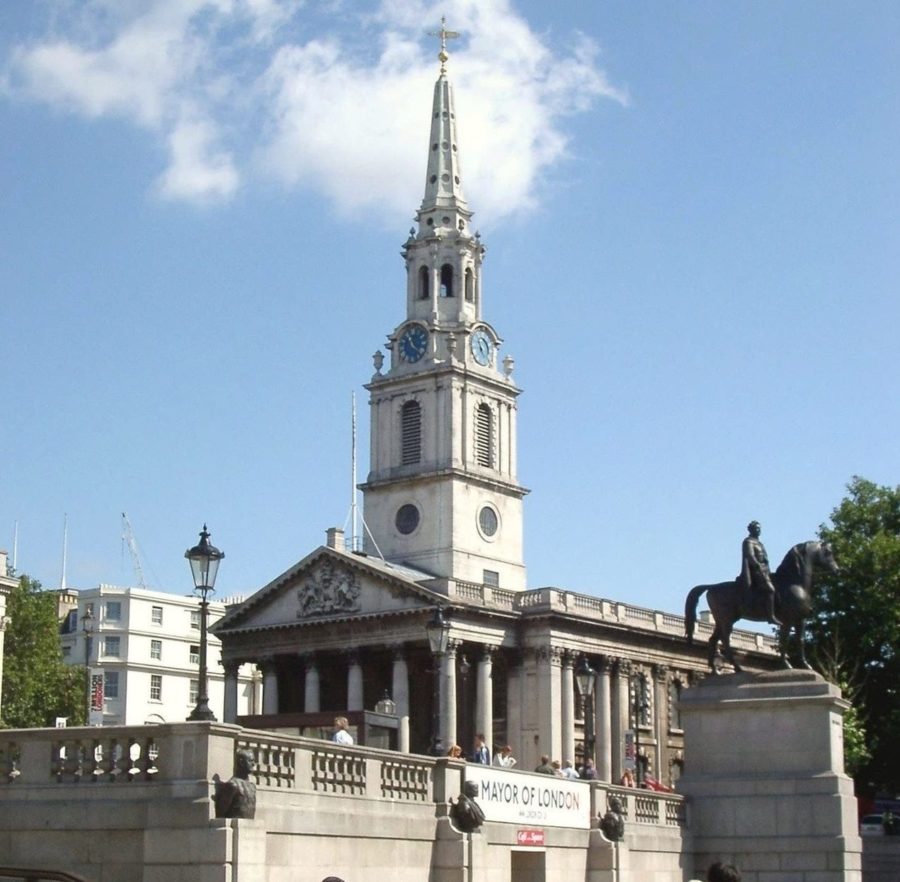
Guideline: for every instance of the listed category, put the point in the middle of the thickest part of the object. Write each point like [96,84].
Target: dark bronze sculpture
[613,822]
[466,813]
[237,798]
[730,601]
[755,575]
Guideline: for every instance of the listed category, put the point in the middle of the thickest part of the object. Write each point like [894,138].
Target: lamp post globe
[204,560]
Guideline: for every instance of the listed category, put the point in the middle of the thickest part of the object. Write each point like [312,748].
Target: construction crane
[129,540]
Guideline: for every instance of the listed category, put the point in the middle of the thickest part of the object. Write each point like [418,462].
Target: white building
[146,646]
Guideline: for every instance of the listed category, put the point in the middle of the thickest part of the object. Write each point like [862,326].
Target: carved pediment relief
[330,588]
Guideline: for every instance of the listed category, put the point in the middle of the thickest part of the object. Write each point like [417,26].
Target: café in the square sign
[524,798]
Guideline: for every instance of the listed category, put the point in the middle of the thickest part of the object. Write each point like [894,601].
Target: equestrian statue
[782,598]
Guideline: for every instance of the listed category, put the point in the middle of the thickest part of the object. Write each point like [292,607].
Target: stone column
[550,731]
[484,699]
[311,697]
[230,704]
[400,695]
[603,720]
[567,705]
[621,713]
[515,712]
[354,682]
[270,684]
[660,724]
[448,698]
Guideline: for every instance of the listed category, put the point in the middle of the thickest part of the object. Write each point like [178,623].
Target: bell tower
[442,493]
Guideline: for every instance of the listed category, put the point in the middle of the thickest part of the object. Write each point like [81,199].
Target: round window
[407,519]
[487,520]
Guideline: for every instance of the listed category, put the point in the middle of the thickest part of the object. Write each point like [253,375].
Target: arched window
[423,283]
[470,285]
[675,687]
[446,280]
[484,436]
[410,433]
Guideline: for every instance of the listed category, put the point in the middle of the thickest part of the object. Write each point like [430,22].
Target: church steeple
[442,493]
[443,181]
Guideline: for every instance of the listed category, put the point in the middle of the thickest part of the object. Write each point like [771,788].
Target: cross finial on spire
[445,35]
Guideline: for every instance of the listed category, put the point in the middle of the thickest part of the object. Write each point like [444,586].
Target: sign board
[61,722]
[515,797]
[95,716]
[630,750]
[529,837]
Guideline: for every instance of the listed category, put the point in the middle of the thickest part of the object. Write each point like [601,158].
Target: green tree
[858,609]
[37,686]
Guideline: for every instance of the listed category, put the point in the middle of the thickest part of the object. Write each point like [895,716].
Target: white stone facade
[146,646]
[8,581]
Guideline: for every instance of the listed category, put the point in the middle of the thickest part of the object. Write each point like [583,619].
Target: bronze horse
[728,602]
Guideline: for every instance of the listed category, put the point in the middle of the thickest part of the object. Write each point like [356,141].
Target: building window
[491,578]
[446,280]
[470,285]
[194,657]
[642,708]
[156,613]
[113,610]
[111,684]
[674,707]
[407,519]
[89,608]
[156,649]
[194,692]
[410,433]
[484,436]
[67,651]
[423,283]
[195,619]
[156,687]
[112,646]
[488,521]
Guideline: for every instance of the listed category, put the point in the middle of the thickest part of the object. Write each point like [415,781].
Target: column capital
[551,654]
[568,657]
[623,666]
[352,656]
[604,665]
[452,646]
[661,673]
[231,666]
[487,652]
[267,664]
[307,658]
[398,651]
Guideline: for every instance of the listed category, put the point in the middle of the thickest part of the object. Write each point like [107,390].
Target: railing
[191,755]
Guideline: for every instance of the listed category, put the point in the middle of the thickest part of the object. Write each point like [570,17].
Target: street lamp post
[204,560]
[438,630]
[585,678]
[87,628]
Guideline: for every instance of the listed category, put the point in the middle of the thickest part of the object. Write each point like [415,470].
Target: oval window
[407,519]
[487,520]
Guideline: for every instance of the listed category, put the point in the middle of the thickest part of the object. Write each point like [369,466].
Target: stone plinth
[765,780]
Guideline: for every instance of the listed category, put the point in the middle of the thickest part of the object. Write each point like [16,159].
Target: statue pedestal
[764,776]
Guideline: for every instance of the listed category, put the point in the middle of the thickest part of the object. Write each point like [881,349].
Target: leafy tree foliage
[858,610]
[37,686]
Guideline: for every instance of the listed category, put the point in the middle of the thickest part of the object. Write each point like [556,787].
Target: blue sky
[693,255]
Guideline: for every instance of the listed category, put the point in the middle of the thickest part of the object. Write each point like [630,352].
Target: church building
[443,509]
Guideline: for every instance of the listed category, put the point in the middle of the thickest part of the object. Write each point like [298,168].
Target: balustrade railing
[194,753]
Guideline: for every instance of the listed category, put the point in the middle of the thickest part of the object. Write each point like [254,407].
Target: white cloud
[330,99]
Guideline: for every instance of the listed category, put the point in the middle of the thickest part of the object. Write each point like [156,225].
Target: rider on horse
[755,576]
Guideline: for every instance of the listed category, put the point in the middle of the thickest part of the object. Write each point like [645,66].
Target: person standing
[481,754]
[341,735]
[546,767]
[569,770]
[504,758]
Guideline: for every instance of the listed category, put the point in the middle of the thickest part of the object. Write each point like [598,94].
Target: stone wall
[133,805]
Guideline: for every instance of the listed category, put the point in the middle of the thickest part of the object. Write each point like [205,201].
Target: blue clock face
[413,343]
[482,347]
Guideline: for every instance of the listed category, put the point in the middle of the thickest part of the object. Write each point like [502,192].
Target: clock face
[413,343]
[482,347]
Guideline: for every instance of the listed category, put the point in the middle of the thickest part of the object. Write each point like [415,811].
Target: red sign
[96,692]
[529,837]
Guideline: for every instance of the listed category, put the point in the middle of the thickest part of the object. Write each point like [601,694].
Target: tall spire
[444,205]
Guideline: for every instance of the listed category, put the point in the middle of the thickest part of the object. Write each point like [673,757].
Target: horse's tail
[690,610]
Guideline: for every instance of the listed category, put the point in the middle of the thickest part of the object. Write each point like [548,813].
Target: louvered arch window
[484,436]
[411,433]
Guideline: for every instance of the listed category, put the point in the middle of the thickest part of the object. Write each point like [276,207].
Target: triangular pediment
[328,585]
